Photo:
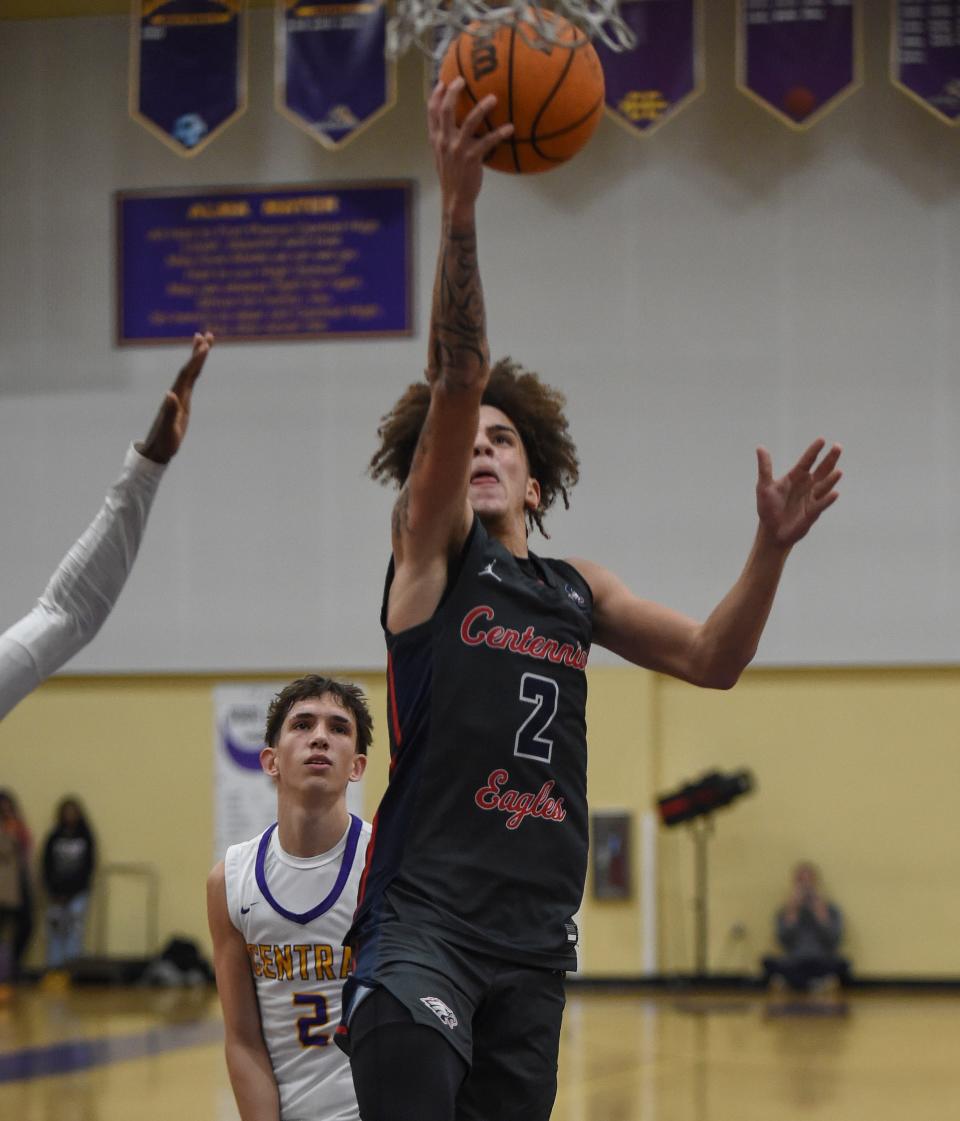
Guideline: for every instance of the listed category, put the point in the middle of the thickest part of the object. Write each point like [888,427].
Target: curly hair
[312,686]
[534,407]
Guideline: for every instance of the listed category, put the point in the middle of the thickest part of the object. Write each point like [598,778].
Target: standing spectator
[9,908]
[13,824]
[809,930]
[68,862]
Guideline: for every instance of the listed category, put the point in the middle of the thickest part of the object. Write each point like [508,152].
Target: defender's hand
[170,424]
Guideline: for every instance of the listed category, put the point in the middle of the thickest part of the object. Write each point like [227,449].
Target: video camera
[708,793]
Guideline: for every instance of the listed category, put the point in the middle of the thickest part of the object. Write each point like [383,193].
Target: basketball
[552,93]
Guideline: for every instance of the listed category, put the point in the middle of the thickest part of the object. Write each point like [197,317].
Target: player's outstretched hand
[789,506]
[170,424]
[459,150]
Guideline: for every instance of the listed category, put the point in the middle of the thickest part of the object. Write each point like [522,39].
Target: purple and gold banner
[798,59]
[926,55]
[333,78]
[317,261]
[188,69]
[664,72]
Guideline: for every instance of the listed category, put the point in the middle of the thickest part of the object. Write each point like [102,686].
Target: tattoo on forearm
[458,344]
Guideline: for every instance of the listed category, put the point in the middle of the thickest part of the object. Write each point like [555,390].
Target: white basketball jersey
[293,913]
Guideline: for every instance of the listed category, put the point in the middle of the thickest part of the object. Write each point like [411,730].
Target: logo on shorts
[444,1014]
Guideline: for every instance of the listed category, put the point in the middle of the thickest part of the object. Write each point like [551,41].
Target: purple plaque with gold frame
[316,261]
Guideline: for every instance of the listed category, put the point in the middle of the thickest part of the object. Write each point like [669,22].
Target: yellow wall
[856,769]
[621,775]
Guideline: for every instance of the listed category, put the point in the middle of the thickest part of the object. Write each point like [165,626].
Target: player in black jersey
[477,860]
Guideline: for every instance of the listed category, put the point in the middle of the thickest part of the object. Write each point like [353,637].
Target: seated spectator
[68,862]
[809,930]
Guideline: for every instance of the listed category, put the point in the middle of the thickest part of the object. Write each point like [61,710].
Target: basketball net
[432,24]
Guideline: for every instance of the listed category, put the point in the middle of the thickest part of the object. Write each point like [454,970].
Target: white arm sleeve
[83,590]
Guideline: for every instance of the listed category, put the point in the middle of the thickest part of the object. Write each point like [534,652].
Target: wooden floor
[128,1055]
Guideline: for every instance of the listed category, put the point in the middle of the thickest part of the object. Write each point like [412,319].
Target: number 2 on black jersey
[544,694]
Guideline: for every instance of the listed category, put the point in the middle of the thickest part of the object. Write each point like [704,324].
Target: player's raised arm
[248,1061]
[432,512]
[716,652]
[84,588]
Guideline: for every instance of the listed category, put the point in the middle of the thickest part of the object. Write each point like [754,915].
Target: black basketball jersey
[482,833]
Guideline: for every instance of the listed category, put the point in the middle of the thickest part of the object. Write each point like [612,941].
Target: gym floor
[88,1054]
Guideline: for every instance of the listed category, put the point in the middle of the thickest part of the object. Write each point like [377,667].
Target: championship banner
[188,69]
[245,799]
[332,75]
[925,59]
[651,83]
[798,60]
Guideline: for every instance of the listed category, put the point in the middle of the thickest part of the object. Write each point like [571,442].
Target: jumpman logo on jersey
[488,571]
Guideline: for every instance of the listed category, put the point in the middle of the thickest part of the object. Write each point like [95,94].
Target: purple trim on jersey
[349,852]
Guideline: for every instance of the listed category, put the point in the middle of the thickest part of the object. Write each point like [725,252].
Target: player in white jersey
[280,904]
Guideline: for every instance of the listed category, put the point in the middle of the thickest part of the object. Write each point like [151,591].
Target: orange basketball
[552,93]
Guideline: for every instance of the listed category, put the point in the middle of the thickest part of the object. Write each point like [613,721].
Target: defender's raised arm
[84,588]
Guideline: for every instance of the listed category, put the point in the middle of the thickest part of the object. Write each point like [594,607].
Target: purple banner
[317,261]
[798,59]
[654,80]
[926,58]
[187,82]
[333,78]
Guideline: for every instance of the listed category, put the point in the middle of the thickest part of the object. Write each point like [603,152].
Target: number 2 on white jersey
[544,694]
[307,1026]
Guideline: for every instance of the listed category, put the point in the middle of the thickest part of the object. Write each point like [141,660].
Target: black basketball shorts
[501,1018]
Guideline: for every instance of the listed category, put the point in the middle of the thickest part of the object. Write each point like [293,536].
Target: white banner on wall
[245,800]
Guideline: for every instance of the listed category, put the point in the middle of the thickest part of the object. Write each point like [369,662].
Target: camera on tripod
[695,802]
[708,793]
